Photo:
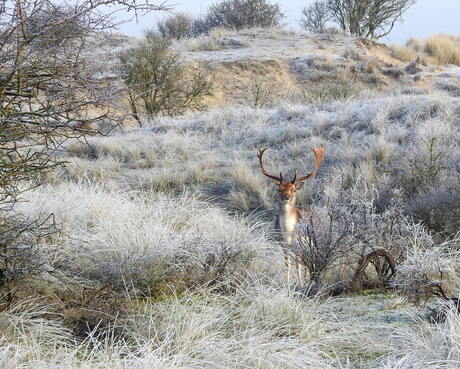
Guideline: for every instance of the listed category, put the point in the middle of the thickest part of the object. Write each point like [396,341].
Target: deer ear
[299,185]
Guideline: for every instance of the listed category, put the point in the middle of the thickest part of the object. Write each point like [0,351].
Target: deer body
[288,214]
[288,218]
[286,221]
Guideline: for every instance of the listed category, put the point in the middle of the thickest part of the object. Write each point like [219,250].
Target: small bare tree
[158,82]
[262,93]
[315,16]
[239,14]
[371,19]
[50,82]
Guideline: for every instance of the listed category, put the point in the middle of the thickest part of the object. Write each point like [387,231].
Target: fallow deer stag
[288,214]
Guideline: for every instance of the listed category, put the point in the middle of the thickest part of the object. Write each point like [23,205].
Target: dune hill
[289,62]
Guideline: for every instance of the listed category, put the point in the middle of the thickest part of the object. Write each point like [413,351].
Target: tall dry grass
[440,49]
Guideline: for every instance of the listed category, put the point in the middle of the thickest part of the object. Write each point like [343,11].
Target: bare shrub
[348,233]
[262,93]
[157,79]
[315,16]
[56,25]
[199,27]
[368,19]
[320,248]
[438,208]
[176,26]
[20,254]
[239,14]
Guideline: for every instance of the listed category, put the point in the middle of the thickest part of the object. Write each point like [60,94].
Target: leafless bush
[322,242]
[176,26]
[157,79]
[20,255]
[239,14]
[368,19]
[262,93]
[349,230]
[315,16]
[438,208]
[55,25]
[199,27]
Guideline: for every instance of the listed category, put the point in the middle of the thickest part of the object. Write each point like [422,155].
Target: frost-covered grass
[427,345]
[147,240]
[406,147]
[165,257]
[256,328]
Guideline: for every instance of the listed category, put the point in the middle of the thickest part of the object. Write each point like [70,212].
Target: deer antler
[319,156]
[260,154]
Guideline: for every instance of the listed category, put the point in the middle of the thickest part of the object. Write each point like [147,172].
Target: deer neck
[288,209]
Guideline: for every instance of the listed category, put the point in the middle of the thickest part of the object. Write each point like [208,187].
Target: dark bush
[368,19]
[176,27]
[239,14]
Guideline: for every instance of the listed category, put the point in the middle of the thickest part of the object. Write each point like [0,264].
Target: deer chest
[287,223]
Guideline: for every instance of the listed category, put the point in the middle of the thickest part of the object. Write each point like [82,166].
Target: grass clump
[440,49]
[328,91]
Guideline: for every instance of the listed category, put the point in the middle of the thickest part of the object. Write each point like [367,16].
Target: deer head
[287,189]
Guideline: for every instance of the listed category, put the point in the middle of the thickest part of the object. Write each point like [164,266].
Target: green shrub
[158,82]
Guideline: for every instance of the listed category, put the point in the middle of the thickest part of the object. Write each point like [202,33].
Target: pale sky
[424,18]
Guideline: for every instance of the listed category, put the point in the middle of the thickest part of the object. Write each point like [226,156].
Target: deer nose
[286,197]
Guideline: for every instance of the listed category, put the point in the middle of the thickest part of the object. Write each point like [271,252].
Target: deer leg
[287,262]
[298,267]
